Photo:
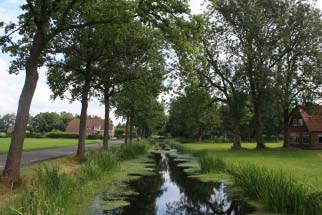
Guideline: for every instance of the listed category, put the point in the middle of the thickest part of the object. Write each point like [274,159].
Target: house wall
[315,140]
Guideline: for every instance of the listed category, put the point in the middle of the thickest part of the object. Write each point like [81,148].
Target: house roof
[312,117]
[73,126]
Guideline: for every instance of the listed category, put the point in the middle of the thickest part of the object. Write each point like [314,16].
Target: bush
[34,135]
[3,135]
[62,135]
[95,137]
[119,132]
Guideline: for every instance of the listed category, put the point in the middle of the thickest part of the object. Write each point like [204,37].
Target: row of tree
[266,53]
[93,49]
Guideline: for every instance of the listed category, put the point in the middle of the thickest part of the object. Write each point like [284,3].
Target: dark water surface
[170,192]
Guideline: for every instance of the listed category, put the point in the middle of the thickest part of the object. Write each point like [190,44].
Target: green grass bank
[41,143]
[285,181]
[45,189]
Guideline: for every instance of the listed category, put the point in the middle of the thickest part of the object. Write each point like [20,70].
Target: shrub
[3,135]
[34,135]
[210,164]
[95,137]
[61,135]
[119,132]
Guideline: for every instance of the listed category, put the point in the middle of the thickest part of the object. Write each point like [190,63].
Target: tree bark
[82,122]
[200,135]
[11,172]
[107,120]
[236,144]
[258,124]
[137,134]
[131,128]
[286,128]
[126,130]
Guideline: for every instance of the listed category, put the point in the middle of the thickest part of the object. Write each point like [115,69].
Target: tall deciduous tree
[41,22]
[255,27]
[77,71]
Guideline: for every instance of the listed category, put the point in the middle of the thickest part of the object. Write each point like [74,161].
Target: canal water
[170,191]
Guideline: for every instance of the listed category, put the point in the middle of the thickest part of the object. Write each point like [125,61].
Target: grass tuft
[210,164]
[279,192]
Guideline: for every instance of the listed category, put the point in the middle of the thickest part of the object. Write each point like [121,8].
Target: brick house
[305,127]
[93,126]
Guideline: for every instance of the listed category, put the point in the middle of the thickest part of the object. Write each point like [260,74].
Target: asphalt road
[31,157]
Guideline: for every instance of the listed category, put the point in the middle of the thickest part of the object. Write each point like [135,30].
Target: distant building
[93,126]
[305,127]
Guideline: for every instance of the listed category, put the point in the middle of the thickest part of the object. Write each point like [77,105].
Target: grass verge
[41,143]
[276,188]
[51,187]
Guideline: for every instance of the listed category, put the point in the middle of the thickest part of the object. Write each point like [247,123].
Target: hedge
[62,135]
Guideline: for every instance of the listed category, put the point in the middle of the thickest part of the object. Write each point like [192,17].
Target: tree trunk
[107,120]
[236,144]
[11,172]
[82,122]
[200,136]
[137,134]
[286,129]
[126,130]
[131,128]
[258,124]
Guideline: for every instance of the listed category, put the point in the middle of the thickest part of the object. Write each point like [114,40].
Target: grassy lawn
[304,165]
[41,143]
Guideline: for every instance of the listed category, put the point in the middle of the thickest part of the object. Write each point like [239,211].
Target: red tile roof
[73,126]
[312,117]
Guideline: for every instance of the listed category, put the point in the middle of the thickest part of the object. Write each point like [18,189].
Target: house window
[294,122]
[97,127]
[306,138]
[300,122]
[295,138]
[320,138]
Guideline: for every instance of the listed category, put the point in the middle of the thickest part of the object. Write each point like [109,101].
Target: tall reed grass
[47,194]
[210,164]
[279,192]
[50,190]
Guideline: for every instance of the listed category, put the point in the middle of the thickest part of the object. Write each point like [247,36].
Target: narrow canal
[170,191]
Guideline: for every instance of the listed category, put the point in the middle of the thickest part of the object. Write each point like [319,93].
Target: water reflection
[170,191]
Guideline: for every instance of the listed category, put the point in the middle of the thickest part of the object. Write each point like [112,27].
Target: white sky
[11,85]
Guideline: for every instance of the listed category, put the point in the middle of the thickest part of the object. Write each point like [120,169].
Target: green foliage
[210,164]
[99,163]
[94,137]
[50,121]
[279,192]
[192,115]
[119,132]
[130,151]
[61,135]
[50,189]
[7,121]
[35,135]
[47,193]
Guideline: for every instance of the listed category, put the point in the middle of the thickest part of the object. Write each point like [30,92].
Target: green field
[304,165]
[41,143]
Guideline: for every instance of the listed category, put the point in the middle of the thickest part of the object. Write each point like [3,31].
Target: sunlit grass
[41,143]
[303,165]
